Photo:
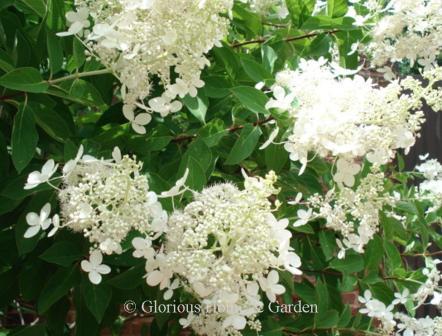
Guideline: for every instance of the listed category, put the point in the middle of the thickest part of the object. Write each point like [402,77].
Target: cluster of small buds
[103,199]
[411,30]
[355,119]
[223,247]
[140,39]
[106,199]
[430,288]
[353,212]
[431,188]
[267,7]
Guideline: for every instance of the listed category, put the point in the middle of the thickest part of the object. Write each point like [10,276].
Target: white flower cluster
[106,199]
[140,40]
[355,214]
[103,199]
[411,30]
[223,247]
[400,324]
[264,7]
[350,118]
[431,188]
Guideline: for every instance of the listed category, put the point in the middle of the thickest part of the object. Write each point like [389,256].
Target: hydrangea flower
[38,222]
[95,267]
[341,124]
[140,39]
[220,246]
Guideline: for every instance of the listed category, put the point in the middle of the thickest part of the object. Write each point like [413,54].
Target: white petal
[272,137]
[138,129]
[140,243]
[32,231]
[45,212]
[46,223]
[168,294]
[239,322]
[143,119]
[273,277]
[103,269]
[128,112]
[75,28]
[279,92]
[94,277]
[32,219]
[69,167]
[86,266]
[48,168]
[154,278]
[53,231]
[116,154]
[34,178]
[175,106]
[278,289]
[96,258]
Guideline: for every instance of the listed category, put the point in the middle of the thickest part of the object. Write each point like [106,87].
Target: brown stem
[287,39]
[232,129]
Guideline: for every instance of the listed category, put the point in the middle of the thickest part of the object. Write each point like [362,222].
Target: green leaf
[55,52]
[351,264]
[37,330]
[79,55]
[198,159]
[251,98]
[299,10]
[328,319]
[24,138]
[6,62]
[269,57]
[85,322]
[393,256]
[57,287]
[337,8]
[254,70]
[374,253]
[85,91]
[326,22]
[37,6]
[129,279]
[63,253]
[96,298]
[56,122]
[24,79]
[276,157]
[197,106]
[245,145]
[328,242]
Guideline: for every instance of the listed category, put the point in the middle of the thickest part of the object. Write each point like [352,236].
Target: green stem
[79,75]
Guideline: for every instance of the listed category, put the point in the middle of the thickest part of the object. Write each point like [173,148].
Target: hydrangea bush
[230,160]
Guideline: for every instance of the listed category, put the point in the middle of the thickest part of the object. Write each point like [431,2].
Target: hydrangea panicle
[223,247]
